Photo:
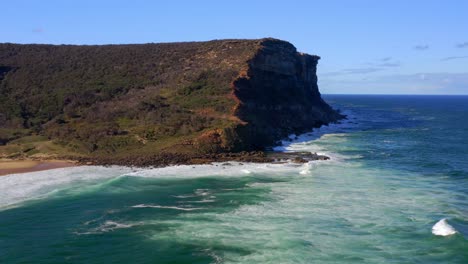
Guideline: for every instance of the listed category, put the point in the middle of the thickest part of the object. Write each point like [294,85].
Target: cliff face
[279,95]
[194,97]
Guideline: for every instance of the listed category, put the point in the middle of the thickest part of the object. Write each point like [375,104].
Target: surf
[443,228]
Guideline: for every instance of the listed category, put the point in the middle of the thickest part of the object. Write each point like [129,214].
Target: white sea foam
[184,196]
[443,228]
[111,225]
[166,207]
[201,201]
[306,169]
[16,188]
[304,142]
[107,226]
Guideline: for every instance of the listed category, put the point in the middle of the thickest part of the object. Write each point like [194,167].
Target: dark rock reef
[150,103]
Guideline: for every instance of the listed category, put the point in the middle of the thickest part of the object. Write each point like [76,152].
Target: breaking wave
[167,207]
[443,228]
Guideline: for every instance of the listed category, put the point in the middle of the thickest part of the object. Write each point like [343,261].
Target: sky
[366,47]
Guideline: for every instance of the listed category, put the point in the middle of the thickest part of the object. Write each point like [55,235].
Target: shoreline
[174,159]
[11,166]
[276,154]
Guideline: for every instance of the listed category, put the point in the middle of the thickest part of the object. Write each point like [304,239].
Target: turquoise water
[399,165]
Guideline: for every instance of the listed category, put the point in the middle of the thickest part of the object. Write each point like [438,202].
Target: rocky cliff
[278,94]
[133,100]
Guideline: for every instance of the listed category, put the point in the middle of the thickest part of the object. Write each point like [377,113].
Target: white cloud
[454,58]
[421,47]
[38,30]
[419,83]
[462,45]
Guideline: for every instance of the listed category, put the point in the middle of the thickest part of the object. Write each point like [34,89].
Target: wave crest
[166,207]
[443,228]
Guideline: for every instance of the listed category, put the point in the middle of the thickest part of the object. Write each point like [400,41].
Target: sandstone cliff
[194,97]
[278,94]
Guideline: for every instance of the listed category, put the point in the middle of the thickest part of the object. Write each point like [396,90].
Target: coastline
[276,154]
[174,159]
[10,166]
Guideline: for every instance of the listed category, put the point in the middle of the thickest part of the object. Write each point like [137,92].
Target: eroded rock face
[279,95]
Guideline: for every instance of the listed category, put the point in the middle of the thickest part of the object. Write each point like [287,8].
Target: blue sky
[377,47]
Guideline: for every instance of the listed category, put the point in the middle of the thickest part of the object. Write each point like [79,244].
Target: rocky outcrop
[277,95]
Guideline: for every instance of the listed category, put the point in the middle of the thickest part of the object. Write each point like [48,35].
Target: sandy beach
[22,166]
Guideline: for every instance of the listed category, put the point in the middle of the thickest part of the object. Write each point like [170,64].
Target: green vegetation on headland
[127,103]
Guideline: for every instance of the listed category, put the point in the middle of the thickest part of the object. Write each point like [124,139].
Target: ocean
[394,191]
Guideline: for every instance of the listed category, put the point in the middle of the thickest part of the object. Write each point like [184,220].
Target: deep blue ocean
[394,191]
